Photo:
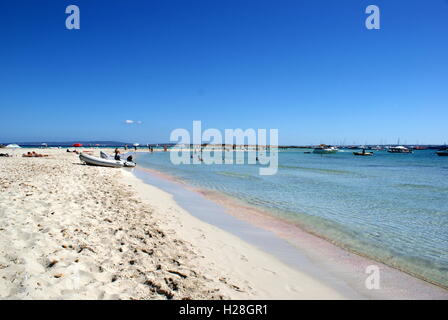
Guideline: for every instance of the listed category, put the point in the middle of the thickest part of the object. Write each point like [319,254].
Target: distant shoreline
[120,145]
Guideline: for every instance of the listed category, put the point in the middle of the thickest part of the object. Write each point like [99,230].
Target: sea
[392,208]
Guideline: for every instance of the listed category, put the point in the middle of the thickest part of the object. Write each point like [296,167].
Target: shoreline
[268,277]
[71,231]
[292,231]
[343,263]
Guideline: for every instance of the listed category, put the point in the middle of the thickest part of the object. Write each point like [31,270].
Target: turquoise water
[390,207]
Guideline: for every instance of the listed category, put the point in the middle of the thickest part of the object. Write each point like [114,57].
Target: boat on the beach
[95,161]
[399,149]
[324,149]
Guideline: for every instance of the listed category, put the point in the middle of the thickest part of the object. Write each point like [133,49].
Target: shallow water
[390,207]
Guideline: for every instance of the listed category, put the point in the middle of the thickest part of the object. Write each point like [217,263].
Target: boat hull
[324,151]
[363,154]
[410,151]
[95,161]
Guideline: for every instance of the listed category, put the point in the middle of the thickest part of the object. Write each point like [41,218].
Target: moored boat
[399,149]
[324,149]
[363,153]
[442,153]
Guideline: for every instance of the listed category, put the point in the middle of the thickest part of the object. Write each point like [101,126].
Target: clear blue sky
[309,68]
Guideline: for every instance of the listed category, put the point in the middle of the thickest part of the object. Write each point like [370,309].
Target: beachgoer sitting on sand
[129,159]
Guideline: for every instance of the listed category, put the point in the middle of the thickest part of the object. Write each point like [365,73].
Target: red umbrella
[77,145]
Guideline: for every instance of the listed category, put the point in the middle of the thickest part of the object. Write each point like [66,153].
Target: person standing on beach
[117,154]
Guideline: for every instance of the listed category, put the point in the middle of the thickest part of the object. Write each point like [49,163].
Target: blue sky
[309,68]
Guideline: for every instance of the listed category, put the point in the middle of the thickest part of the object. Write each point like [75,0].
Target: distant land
[70,143]
[101,143]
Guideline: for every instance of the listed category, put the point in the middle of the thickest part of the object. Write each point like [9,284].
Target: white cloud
[133,121]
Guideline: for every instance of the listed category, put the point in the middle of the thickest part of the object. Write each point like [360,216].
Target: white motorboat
[399,149]
[323,149]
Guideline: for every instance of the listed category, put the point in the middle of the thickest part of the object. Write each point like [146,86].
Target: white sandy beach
[71,231]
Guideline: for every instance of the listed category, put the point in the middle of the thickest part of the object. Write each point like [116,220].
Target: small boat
[363,153]
[323,149]
[399,149]
[95,161]
[442,153]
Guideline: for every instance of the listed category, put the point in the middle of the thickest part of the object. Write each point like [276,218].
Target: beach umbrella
[77,145]
[136,144]
[13,145]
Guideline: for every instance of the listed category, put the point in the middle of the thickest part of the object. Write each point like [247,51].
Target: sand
[72,231]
